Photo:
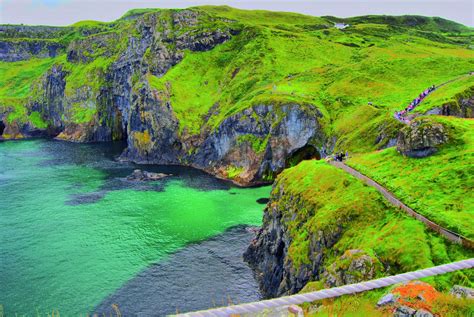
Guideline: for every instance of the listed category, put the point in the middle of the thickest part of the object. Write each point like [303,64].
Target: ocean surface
[77,237]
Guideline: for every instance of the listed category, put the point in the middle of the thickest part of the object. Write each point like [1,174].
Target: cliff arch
[307,152]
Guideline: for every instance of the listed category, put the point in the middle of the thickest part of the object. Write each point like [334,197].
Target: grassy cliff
[331,198]
[439,186]
[277,58]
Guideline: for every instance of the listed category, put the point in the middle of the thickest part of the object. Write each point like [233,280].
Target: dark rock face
[463,107]
[12,51]
[2,126]
[286,129]
[54,85]
[152,131]
[268,252]
[421,138]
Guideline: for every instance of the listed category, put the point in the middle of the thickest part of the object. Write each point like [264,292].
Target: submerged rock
[263,201]
[139,175]
[421,138]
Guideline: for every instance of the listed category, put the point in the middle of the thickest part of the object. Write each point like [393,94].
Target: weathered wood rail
[448,234]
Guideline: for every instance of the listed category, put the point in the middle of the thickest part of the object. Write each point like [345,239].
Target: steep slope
[326,226]
[240,94]
[438,186]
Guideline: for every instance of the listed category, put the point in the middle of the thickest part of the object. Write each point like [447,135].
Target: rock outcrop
[139,175]
[414,298]
[259,142]
[269,252]
[461,106]
[421,138]
[352,267]
[462,292]
[18,50]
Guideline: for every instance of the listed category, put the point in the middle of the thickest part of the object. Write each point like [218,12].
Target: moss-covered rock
[421,138]
[352,267]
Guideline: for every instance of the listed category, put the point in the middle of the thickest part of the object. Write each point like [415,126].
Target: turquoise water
[74,230]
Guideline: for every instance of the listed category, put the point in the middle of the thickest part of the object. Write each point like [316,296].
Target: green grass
[16,87]
[233,172]
[88,23]
[283,58]
[280,58]
[448,94]
[439,186]
[329,198]
[17,77]
[138,12]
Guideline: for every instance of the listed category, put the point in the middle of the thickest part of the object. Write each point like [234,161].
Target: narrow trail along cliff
[403,117]
[448,234]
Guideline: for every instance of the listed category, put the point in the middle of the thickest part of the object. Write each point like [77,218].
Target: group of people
[401,115]
[340,156]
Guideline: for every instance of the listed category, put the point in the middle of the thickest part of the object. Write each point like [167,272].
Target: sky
[65,12]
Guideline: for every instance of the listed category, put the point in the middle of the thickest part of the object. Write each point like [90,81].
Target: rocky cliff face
[462,106]
[115,100]
[421,138]
[259,142]
[12,51]
[269,255]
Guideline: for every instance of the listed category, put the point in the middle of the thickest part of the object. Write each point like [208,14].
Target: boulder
[388,299]
[410,299]
[139,175]
[421,138]
[462,292]
[352,267]
[423,313]
[404,311]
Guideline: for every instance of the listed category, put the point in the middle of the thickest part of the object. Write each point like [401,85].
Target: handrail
[256,307]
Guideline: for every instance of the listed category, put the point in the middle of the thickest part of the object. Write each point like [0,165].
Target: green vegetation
[363,305]
[258,144]
[17,77]
[16,87]
[234,171]
[277,58]
[281,58]
[88,23]
[137,12]
[438,186]
[449,94]
[332,200]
